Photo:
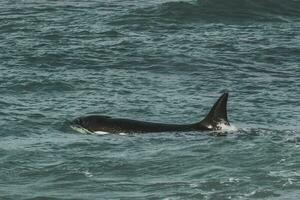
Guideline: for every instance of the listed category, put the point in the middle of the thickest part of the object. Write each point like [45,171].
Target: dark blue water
[161,61]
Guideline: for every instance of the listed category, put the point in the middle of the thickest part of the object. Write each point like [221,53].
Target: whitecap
[88,174]
[222,127]
[81,130]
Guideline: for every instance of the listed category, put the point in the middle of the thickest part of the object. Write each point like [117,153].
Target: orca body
[97,123]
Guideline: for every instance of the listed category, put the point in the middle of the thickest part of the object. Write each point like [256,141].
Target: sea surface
[161,61]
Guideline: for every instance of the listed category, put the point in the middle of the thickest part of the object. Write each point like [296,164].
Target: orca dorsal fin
[217,115]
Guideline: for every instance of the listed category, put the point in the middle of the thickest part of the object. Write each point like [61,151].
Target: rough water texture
[164,61]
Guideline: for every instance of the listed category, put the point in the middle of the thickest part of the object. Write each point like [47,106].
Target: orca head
[80,125]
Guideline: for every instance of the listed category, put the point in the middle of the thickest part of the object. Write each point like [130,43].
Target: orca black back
[215,119]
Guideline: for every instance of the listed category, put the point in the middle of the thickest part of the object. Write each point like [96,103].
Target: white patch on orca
[100,132]
[80,129]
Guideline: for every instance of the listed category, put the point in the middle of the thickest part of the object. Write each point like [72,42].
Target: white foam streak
[81,130]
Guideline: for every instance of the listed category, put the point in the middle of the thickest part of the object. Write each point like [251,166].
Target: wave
[252,9]
[218,10]
[43,86]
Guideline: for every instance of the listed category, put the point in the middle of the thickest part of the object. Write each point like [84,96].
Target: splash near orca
[215,120]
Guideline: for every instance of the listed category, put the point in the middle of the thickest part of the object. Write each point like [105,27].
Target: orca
[215,120]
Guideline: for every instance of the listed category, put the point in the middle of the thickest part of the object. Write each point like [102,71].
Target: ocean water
[162,61]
